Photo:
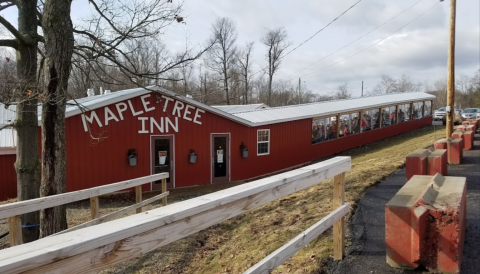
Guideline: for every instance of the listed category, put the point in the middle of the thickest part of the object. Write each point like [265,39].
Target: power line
[331,22]
[358,52]
[330,54]
[336,18]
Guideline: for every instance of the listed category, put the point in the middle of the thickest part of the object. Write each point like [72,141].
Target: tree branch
[2,127]
[12,43]
[12,30]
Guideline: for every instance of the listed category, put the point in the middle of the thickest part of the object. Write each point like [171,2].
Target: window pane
[417,110]
[263,135]
[428,108]
[262,148]
[375,118]
[319,130]
[366,121]
[389,116]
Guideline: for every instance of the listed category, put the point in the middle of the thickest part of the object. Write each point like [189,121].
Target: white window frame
[262,142]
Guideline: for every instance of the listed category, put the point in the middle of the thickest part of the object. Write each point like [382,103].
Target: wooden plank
[97,247]
[339,226]
[138,197]
[282,254]
[115,214]
[94,207]
[15,229]
[19,208]
[164,189]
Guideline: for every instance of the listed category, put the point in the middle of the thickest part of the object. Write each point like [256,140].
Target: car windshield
[441,109]
[470,110]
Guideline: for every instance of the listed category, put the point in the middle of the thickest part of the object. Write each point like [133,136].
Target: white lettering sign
[148,124]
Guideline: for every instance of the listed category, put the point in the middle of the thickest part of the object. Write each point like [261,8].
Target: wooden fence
[13,211]
[97,247]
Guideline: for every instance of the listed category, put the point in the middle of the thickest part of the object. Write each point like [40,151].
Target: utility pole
[451,71]
[362,88]
[299,89]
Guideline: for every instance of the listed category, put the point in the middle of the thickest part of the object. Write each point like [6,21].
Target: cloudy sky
[418,50]
[404,45]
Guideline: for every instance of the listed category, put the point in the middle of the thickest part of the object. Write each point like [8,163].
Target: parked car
[457,118]
[471,113]
[439,113]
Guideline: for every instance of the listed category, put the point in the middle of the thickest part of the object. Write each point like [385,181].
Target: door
[162,159]
[220,158]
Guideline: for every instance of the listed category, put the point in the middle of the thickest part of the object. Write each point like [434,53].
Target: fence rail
[13,211]
[100,246]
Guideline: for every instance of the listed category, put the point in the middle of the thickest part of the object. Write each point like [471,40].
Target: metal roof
[297,112]
[240,108]
[249,115]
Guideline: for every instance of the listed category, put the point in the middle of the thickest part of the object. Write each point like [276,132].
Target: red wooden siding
[8,177]
[92,163]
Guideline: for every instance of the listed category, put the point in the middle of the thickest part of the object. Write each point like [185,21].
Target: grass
[236,244]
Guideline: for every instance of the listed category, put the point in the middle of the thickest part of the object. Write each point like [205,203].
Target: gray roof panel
[296,112]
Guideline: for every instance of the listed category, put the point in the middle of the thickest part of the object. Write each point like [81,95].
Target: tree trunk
[27,164]
[58,33]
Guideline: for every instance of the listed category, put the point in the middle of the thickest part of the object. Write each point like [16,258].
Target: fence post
[15,228]
[339,226]
[94,207]
[138,197]
[164,189]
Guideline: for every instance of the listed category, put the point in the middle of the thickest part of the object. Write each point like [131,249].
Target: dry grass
[236,244]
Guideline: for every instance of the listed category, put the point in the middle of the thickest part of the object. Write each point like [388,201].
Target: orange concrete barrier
[454,149]
[461,128]
[468,137]
[437,162]
[416,163]
[470,128]
[459,135]
[425,224]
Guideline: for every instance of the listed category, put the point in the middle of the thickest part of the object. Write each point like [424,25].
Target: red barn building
[137,132]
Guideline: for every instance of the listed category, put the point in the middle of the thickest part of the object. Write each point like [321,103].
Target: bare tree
[23,92]
[276,42]
[245,64]
[222,55]
[343,92]
[100,43]
[386,85]
[405,84]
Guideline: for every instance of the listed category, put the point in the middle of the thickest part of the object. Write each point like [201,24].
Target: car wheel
[444,122]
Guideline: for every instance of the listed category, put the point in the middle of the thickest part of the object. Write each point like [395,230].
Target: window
[263,142]
[403,113]
[428,108]
[389,116]
[417,110]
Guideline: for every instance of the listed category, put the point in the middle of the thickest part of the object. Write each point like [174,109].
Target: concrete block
[458,135]
[471,122]
[454,149]
[468,137]
[461,128]
[416,163]
[437,162]
[470,128]
[425,224]
[440,144]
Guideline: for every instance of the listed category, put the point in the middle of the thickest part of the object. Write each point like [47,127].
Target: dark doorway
[220,158]
[162,159]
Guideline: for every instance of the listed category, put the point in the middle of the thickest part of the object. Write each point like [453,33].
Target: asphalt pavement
[367,253]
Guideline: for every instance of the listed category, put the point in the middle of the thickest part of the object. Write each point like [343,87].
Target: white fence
[97,247]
